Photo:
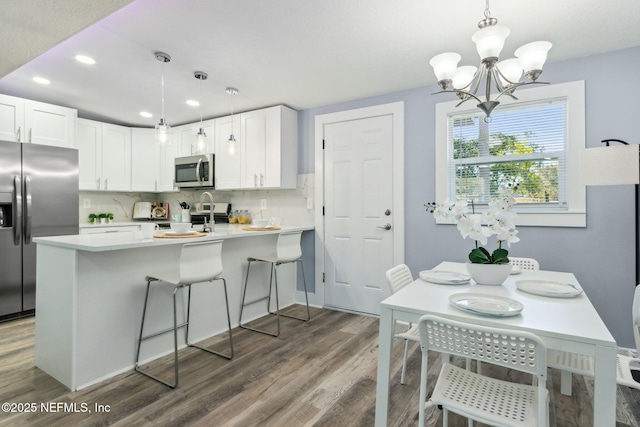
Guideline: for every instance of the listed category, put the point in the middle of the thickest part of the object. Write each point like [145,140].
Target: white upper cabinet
[151,165]
[269,148]
[185,137]
[104,156]
[28,121]
[145,160]
[227,168]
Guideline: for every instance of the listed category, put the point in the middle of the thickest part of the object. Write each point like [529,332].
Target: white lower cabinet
[104,156]
[23,120]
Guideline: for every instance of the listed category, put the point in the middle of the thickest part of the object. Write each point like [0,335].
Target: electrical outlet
[310,203]
[263,203]
[86,203]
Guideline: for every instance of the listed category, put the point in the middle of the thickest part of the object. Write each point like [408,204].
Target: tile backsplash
[289,205]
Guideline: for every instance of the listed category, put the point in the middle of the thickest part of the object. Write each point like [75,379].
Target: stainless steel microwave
[195,171]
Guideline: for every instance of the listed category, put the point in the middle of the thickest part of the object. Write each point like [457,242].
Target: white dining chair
[397,278]
[524,263]
[571,363]
[198,263]
[473,395]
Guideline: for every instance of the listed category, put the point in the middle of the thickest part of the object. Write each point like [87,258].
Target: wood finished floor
[320,373]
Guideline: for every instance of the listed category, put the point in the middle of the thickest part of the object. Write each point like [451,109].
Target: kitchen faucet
[211,220]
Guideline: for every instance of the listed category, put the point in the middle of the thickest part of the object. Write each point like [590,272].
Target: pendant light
[201,137]
[163,137]
[231,142]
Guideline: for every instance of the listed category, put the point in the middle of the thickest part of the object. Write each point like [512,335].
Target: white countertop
[118,241]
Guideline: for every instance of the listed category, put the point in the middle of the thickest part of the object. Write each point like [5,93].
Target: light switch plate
[86,203]
[263,203]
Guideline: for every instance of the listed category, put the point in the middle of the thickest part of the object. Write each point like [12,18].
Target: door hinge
[323,144]
[322,277]
[323,211]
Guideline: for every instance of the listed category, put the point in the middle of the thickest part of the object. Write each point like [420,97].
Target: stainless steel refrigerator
[38,197]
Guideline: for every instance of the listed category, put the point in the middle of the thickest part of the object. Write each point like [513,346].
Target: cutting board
[260,228]
[179,236]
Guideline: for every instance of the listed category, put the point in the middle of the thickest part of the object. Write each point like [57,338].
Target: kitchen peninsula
[91,291]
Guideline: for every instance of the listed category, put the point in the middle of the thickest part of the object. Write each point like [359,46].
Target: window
[532,143]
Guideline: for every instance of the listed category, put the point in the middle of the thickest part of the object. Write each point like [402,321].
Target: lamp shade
[463,76]
[490,41]
[163,137]
[444,65]
[511,70]
[533,55]
[614,165]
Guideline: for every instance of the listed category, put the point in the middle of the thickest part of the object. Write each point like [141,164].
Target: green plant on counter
[102,215]
[110,216]
[92,218]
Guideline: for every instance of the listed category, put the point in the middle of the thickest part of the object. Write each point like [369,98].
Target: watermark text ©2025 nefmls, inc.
[52,407]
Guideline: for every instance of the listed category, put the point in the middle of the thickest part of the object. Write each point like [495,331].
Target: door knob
[387,212]
[385,227]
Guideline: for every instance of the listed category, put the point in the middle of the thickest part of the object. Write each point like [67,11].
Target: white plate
[488,305]
[548,288]
[256,226]
[516,269]
[444,277]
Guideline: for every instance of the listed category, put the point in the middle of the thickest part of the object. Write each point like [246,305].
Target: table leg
[604,396]
[385,341]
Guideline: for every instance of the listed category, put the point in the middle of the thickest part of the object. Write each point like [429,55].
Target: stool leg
[144,314]
[226,299]
[175,336]
[304,281]
[268,298]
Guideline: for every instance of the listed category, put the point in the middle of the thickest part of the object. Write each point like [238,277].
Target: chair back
[398,277]
[519,350]
[288,246]
[200,262]
[635,312]
[525,263]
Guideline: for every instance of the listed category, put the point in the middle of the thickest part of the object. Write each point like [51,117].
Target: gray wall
[602,255]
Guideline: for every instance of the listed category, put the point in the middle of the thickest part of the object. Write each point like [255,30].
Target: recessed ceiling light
[85,59]
[41,80]
[193,103]
[146,114]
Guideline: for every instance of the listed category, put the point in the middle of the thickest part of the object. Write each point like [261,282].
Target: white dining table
[567,324]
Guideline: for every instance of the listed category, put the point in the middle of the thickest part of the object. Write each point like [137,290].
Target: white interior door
[361,209]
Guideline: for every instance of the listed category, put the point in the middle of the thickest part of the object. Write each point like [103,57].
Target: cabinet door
[116,158]
[50,124]
[228,165]
[11,118]
[89,141]
[167,166]
[186,139]
[253,128]
[145,160]
[281,153]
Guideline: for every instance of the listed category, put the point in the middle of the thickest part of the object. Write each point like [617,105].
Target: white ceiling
[302,53]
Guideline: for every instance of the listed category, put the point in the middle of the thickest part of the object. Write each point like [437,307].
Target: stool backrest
[525,263]
[200,262]
[288,246]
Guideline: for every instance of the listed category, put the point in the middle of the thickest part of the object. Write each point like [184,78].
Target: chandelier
[504,75]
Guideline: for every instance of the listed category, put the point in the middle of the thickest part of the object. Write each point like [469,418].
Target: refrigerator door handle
[27,209]
[17,210]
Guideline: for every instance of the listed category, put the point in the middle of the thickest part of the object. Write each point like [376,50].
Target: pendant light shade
[444,65]
[532,57]
[231,142]
[490,41]
[201,136]
[163,130]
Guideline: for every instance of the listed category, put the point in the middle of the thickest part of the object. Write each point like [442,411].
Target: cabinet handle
[255,180]
[98,183]
[30,134]
[106,183]
[156,185]
[18,133]
[261,180]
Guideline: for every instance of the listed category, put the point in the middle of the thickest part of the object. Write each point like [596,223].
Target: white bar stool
[199,262]
[287,250]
